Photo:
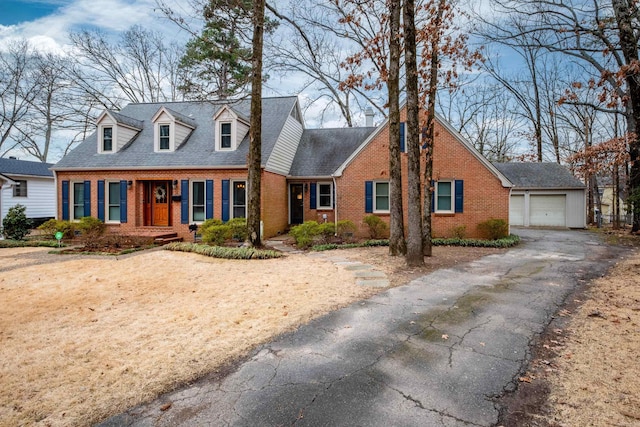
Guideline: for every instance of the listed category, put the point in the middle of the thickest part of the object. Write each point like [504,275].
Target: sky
[47,23]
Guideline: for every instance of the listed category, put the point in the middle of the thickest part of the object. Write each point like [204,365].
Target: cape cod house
[164,166]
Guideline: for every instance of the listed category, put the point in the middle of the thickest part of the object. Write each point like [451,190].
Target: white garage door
[516,210]
[548,210]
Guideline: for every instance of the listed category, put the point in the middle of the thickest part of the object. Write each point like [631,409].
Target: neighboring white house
[545,195]
[30,184]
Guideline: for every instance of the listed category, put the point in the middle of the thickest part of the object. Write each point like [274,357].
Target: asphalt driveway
[435,352]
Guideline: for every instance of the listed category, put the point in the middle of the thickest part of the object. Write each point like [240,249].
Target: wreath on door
[160,193]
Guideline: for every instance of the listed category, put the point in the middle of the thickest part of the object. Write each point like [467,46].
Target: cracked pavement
[435,352]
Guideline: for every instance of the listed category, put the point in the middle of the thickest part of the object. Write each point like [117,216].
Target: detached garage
[545,195]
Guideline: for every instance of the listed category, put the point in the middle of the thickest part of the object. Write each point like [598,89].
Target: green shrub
[494,229]
[305,233]
[459,231]
[377,227]
[15,224]
[50,227]
[346,230]
[238,228]
[216,234]
[327,231]
[28,243]
[222,252]
[209,223]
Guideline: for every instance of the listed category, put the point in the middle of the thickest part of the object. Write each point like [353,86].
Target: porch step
[165,238]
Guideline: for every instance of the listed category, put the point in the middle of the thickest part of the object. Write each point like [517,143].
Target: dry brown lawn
[84,337]
[595,378]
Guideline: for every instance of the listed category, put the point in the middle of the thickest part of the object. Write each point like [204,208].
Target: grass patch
[507,242]
[29,243]
[222,252]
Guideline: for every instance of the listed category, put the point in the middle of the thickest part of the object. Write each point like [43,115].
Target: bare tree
[415,249]
[255,128]
[397,243]
[139,68]
[18,88]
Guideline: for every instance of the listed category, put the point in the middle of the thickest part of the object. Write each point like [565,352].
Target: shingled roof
[197,151]
[24,168]
[539,175]
[322,151]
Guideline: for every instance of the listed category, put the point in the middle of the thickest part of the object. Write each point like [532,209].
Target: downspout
[55,189]
[335,206]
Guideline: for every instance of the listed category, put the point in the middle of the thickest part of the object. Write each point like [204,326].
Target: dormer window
[170,130]
[114,131]
[230,127]
[107,139]
[165,140]
[225,135]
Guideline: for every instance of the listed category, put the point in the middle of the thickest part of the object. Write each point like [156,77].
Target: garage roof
[539,175]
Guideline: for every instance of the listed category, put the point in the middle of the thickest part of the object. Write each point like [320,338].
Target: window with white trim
[239,199]
[107,139]
[381,196]
[164,135]
[444,196]
[325,195]
[20,188]
[225,135]
[78,200]
[113,201]
[197,201]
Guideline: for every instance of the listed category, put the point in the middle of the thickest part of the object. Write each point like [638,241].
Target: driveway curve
[435,352]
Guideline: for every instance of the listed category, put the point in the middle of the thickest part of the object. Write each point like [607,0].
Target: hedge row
[506,242]
[223,252]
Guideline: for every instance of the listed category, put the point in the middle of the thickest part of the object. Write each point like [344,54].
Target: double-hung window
[225,135]
[107,139]
[325,195]
[78,200]
[197,201]
[381,196]
[444,196]
[20,188]
[113,201]
[164,143]
[239,192]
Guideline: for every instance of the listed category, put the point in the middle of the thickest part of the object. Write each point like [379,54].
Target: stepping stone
[359,267]
[379,283]
[371,274]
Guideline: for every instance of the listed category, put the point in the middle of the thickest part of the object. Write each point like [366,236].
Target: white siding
[576,208]
[285,148]
[181,134]
[40,200]
[241,131]
[124,135]
[516,209]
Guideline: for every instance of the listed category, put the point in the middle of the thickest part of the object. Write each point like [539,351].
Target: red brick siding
[484,195]
[274,196]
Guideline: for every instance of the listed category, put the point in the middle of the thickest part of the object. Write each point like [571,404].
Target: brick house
[160,167]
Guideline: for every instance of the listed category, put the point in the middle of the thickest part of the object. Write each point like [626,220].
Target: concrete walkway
[436,352]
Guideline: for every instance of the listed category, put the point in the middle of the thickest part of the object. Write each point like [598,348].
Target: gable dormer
[230,129]
[115,131]
[170,130]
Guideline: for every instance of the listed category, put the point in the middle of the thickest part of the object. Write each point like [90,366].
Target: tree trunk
[397,244]
[414,255]
[629,46]
[430,133]
[255,133]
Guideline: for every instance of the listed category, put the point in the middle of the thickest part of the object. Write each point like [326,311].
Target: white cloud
[51,32]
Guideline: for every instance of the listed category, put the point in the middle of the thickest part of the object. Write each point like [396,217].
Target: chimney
[368,117]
